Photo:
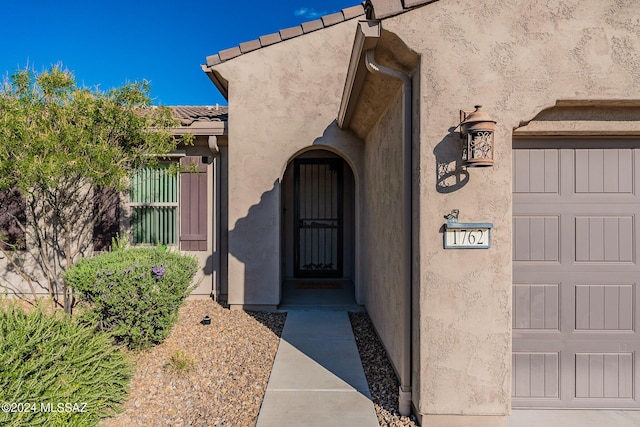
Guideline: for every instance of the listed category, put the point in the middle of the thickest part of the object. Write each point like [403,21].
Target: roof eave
[217,80]
[380,9]
[367,36]
[203,129]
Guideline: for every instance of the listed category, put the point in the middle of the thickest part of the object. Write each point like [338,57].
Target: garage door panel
[536,171]
[618,369]
[625,377]
[536,238]
[604,375]
[535,306]
[618,173]
[618,245]
[628,306]
[618,304]
[604,308]
[603,171]
[575,273]
[604,239]
[536,375]
[521,239]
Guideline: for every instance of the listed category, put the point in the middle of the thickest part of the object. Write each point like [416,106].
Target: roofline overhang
[217,80]
[382,9]
[203,129]
[367,36]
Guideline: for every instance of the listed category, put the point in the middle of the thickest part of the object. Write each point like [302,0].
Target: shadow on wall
[208,268]
[331,134]
[260,224]
[450,174]
[11,282]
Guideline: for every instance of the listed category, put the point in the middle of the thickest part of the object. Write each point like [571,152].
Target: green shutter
[153,223]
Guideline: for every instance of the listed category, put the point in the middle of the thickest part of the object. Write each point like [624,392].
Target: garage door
[576,206]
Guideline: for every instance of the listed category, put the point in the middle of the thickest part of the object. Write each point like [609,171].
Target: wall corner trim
[220,83]
[367,36]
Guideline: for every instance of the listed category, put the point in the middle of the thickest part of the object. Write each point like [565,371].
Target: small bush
[134,293]
[180,361]
[55,371]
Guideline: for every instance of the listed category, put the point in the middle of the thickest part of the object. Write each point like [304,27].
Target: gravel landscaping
[382,380]
[204,375]
[217,374]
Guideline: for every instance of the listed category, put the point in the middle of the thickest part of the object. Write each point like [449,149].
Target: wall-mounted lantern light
[477,128]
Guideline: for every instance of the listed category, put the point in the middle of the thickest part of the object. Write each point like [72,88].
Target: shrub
[180,361]
[55,371]
[134,293]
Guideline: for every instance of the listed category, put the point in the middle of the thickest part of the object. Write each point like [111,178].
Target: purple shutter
[193,203]
[12,214]
[106,211]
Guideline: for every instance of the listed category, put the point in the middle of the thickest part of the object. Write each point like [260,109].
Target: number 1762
[465,237]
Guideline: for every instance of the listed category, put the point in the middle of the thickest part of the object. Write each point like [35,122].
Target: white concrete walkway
[317,377]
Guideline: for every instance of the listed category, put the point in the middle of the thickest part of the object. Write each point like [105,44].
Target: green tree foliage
[60,141]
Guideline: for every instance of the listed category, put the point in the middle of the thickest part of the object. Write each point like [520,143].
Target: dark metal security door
[318,218]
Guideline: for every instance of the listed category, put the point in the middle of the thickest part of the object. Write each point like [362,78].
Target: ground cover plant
[55,371]
[134,293]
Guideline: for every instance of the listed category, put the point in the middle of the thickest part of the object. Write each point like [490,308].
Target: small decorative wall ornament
[452,216]
[478,129]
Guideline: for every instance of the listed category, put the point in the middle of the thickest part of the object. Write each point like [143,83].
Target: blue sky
[110,42]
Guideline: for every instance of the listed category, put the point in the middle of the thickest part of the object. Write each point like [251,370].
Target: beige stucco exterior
[382,236]
[276,113]
[548,68]
[516,58]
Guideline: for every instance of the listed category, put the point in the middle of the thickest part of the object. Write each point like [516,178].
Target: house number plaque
[467,235]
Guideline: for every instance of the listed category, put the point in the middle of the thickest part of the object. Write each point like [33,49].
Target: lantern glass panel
[479,149]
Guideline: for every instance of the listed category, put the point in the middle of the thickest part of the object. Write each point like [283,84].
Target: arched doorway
[318,230]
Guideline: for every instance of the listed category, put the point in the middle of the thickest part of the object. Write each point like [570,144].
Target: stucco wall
[515,57]
[22,272]
[11,283]
[282,99]
[382,247]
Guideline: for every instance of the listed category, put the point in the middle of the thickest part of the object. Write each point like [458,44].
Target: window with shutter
[12,218]
[106,211]
[154,206]
[193,203]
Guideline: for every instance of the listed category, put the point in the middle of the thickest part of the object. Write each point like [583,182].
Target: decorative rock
[206,394]
[232,362]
